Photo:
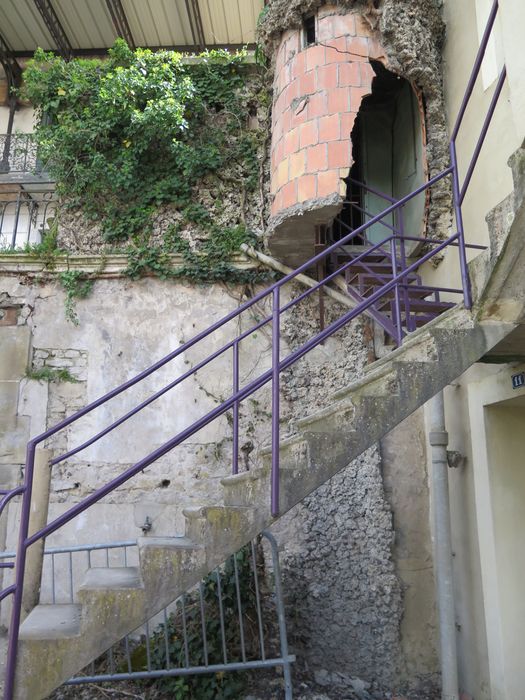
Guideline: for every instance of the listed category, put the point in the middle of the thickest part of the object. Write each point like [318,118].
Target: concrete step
[246,488]
[118,578]
[221,530]
[52,622]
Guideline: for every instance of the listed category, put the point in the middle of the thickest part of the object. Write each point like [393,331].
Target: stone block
[307,84]
[298,65]
[350,74]
[306,188]
[347,124]
[281,175]
[358,47]
[317,105]
[293,90]
[288,195]
[367,74]
[291,142]
[338,100]
[8,399]
[315,56]
[15,342]
[317,158]
[299,113]
[297,165]
[13,440]
[33,404]
[327,77]
[327,183]
[329,128]
[338,154]
[309,136]
[336,51]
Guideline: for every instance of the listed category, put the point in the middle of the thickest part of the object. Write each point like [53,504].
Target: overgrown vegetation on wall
[147,147]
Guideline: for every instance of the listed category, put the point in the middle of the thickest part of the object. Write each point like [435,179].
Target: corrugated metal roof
[88,24]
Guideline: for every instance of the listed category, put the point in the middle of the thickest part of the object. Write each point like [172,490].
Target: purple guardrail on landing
[389,295]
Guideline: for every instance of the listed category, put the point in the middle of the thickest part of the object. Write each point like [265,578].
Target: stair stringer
[326,442]
[329,439]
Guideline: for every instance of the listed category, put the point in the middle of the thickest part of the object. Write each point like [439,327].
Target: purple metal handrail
[396,283]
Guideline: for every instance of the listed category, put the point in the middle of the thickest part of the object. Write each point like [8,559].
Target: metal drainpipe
[438,438]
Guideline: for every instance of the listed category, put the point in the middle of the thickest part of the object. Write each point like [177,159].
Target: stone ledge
[102,266]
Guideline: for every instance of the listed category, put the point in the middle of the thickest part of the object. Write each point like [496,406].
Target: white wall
[492,180]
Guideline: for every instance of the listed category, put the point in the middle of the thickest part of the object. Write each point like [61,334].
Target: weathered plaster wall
[492,179]
[338,543]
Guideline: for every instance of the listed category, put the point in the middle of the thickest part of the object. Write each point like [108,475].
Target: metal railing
[240,392]
[252,636]
[26,211]
[395,259]
[19,154]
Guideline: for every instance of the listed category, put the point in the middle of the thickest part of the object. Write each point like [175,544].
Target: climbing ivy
[77,285]
[123,136]
[208,261]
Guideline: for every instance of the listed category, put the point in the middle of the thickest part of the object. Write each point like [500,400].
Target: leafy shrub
[125,135]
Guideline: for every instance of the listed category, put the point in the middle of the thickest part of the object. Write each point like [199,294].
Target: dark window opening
[387,158]
[309,31]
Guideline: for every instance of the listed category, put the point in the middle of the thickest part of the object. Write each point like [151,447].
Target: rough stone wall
[343,595]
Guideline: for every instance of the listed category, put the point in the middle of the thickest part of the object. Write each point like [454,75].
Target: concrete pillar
[37,520]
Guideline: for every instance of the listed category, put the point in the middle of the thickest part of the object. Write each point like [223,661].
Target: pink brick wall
[317,94]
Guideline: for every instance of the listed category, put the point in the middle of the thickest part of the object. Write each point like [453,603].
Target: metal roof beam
[194,15]
[56,30]
[12,68]
[120,21]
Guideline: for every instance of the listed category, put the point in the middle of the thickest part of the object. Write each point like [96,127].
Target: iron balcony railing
[27,210]
[240,392]
[19,154]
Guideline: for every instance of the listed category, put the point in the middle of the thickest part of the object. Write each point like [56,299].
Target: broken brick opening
[388,156]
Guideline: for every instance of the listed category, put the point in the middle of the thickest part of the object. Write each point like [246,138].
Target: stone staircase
[58,640]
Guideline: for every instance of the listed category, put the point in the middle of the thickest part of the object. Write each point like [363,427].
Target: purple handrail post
[235,445]
[20,562]
[276,361]
[397,299]
[467,295]
[403,260]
